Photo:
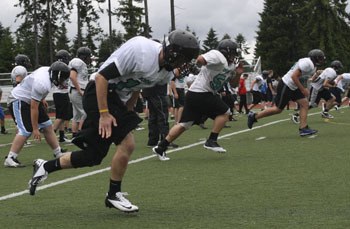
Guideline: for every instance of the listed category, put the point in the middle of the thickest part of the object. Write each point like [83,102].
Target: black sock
[3,129]
[114,187]
[53,165]
[164,143]
[213,136]
[61,132]
[326,110]
[74,135]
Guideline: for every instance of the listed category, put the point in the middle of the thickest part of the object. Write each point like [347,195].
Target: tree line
[287,30]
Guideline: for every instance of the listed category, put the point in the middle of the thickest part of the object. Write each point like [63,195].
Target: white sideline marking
[13,195]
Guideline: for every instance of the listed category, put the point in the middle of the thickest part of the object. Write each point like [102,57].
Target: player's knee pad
[186,125]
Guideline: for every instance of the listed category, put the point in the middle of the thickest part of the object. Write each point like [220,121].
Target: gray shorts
[77,104]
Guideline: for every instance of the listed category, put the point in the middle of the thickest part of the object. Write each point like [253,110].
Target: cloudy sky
[224,16]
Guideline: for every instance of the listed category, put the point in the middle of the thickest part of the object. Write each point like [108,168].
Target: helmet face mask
[317,57]
[179,47]
[59,73]
[229,49]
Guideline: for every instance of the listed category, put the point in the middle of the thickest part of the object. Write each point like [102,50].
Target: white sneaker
[120,202]
[160,153]
[326,115]
[296,118]
[12,162]
[214,146]
[39,175]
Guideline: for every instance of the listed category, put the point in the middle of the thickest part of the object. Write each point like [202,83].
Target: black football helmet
[63,55]
[317,57]
[179,47]
[23,60]
[337,66]
[229,49]
[265,74]
[84,53]
[59,72]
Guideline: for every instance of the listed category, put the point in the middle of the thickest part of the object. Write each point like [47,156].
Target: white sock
[12,154]
[57,150]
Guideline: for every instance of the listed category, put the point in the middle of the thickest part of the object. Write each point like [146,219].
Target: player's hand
[105,124]
[36,135]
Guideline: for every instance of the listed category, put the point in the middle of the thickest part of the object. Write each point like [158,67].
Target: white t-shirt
[137,61]
[307,69]
[259,82]
[180,82]
[82,72]
[35,86]
[214,74]
[345,82]
[18,71]
[327,74]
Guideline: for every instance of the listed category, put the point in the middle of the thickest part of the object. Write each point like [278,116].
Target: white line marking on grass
[260,138]
[13,195]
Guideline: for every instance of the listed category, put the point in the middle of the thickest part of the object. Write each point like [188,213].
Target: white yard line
[42,187]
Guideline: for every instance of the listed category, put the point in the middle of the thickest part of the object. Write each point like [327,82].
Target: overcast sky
[224,16]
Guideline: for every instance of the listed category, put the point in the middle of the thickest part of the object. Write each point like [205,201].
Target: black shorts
[285,94]
[198,104]
[323,94]
[126,120]
[63,106]
[257,97]
[337,92]
[180,102]
[20,112]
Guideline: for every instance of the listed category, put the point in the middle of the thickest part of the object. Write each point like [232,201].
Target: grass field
[269,178]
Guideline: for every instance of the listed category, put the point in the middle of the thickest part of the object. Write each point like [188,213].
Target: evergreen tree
[211,42]
[6,49]
[242,43]
[289,29]
[109,45]
[226,36]
[62,39]
[131,18]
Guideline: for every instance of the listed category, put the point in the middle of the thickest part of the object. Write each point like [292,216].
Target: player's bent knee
[89,157]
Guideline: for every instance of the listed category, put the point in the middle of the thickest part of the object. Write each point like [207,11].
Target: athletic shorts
[20,112]
[126,120]
[285,94]
[77,104]
[180,101]
[337,92]
[257,97]
[199,104]
[63,106]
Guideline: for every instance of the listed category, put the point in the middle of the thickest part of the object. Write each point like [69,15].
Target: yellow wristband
[103,110]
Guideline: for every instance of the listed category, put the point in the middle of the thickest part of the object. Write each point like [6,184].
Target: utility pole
[172,12]
[35,21]
[146,19]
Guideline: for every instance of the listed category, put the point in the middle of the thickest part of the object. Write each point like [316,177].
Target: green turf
[269,178]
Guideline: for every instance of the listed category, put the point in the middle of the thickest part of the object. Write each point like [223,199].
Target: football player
[291,88]
[217,66]
[79,78]
[109,102]
[28,108]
